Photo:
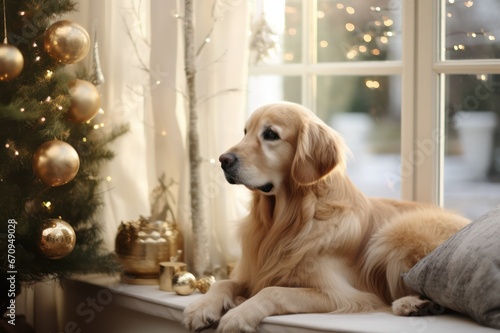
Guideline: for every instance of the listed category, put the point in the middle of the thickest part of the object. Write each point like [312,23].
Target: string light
[350,10]
[384,40]
[21,109]
[372,84]
[163,133]
[350,27]
[340,6]
[469,3]
[108,178]
[323,43]
[367,38]
[320,14]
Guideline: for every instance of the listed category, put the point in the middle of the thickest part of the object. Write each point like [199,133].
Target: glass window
[472,29]
[366,111]
[358,30]
[263,89]
[472,155]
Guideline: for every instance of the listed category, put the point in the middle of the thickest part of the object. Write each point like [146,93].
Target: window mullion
[426,157]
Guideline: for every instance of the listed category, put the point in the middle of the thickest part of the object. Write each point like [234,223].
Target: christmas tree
[50,148]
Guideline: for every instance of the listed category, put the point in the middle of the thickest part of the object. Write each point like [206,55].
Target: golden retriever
[312,241]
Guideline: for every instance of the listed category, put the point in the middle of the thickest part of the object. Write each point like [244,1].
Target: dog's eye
[270,135]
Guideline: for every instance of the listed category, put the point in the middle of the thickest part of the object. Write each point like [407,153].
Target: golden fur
[312,241]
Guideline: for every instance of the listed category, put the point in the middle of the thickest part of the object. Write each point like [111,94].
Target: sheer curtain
[141,52]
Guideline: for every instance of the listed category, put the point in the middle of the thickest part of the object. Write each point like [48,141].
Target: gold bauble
[66,41]
[85,101]
[11,62]
[56,163]
[183,283]
[204,283]
[56,239]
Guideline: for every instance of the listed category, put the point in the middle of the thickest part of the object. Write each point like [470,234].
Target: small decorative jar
[141,245]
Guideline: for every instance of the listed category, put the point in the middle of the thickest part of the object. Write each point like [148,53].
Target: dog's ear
[319,150]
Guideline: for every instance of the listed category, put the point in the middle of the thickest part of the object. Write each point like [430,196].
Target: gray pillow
[463,273]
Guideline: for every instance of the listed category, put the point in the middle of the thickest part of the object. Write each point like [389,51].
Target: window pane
[472,29]
[472,160]
[367,112]
[277,32]
[263,89]
[358,30]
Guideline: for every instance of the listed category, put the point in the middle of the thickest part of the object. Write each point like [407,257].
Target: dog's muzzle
[228,163]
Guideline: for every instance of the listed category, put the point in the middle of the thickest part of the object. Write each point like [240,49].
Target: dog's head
[283,142]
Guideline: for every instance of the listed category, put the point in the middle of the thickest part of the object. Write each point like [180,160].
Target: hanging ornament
[11,62]
[66,41]
[98,76]
[264,41]
[56,238]
[11,59]
[85,101]
[56,163]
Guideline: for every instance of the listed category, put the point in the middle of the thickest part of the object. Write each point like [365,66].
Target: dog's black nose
[227,161]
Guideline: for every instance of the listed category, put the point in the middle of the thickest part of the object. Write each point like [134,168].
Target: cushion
[463,273]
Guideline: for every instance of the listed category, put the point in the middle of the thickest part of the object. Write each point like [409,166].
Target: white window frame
[422,69]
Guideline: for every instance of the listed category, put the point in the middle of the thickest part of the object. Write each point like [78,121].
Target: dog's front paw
[236,320]
[202,314]
[415,306]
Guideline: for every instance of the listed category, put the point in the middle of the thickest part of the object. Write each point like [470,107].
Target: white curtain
[141,52]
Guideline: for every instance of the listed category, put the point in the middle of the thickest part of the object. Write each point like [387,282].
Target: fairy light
[340,5]
[350,10]
[7,145]
[96,126]
[108,178]
[352,54]
[35,44]
[60,107]
[212,161]
[388,22]
[288,56]
[372,84]
[376,52]
[491,37]
[350,27]
[84,139]
[42,120]
[49,74]
[449,15]
[469,3]
[320,14]
[367,38]
[47,204]
[163,133]
[21,109]
[292,31]
[37,58]
[362,48]
[384,40]
[22,13]
[323,43]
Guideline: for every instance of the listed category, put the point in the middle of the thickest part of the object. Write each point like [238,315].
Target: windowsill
[164,309]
